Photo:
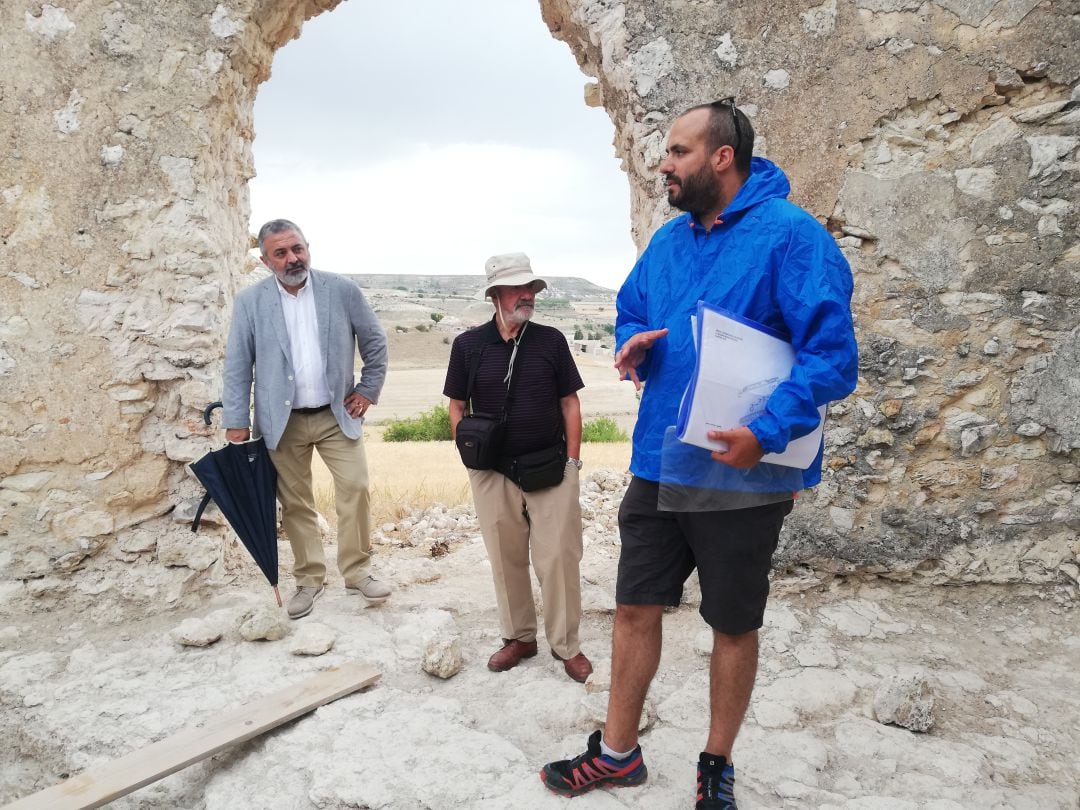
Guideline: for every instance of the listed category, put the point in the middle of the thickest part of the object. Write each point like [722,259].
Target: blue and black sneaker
[572,777]
[715,783]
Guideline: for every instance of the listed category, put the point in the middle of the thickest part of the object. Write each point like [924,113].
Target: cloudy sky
[423,137]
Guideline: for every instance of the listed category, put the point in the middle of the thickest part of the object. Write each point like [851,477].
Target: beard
[520,314]
[697,193]
[294,274]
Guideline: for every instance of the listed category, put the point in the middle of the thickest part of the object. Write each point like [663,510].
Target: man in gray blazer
[295,337]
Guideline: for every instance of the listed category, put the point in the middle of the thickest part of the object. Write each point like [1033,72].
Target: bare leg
[731,680]
[635,655]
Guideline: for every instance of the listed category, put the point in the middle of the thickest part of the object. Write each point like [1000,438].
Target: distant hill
[570,288]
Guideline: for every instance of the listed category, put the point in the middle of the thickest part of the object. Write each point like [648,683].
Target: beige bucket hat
[510,270]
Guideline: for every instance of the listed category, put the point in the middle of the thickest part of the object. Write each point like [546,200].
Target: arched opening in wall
[423,138]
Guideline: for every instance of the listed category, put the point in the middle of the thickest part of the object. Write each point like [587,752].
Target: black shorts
[732,551]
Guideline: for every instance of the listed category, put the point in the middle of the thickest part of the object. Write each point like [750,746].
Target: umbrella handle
[277,593]
[213,406]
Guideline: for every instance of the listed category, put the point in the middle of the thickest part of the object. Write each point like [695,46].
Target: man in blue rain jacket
[743,247]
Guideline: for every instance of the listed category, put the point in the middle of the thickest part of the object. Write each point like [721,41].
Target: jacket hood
[765,182]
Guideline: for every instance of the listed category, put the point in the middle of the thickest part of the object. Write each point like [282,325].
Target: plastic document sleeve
[739,364]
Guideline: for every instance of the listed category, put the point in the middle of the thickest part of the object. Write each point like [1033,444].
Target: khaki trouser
[345,459]
[547,522]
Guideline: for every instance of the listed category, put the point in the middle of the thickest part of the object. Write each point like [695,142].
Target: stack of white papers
[739,363]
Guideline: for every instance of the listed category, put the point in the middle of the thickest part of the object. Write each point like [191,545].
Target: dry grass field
[414,475]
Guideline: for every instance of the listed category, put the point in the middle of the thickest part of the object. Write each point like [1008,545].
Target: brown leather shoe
[579,667]
[510,655]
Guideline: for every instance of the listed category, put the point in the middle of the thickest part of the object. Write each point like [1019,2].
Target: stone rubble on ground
[813,736]
[264,623]
[196,633]
[442,657]
[312,638]
[905,700]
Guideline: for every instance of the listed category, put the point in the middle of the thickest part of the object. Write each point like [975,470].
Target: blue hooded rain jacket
[765,259]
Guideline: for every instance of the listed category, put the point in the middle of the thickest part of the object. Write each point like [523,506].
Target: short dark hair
[277,226]
[723,131]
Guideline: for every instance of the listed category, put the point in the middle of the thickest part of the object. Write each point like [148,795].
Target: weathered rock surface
[1002,660]
[264,623]
[196,633]
[442,657]
[938,141]
[905,700]
[313,639]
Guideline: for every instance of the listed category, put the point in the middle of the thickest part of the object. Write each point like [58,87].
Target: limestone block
[977,182]
[26,482]
[999,134]
[442,657]
[776,79]
[600,678]
[726,51]
[136,541]
[120,36]
[196,633]
[821,19]
[179,547]
[50,23]
[1047,150]
[186,509]
[264,623]
[66,118]
[79,523]
[313,639]
[652,63]
[905,700]
[974,440]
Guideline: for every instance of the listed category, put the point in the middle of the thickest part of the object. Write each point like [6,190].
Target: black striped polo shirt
[544,373]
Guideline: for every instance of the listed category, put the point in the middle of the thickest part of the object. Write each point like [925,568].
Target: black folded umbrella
[242,481]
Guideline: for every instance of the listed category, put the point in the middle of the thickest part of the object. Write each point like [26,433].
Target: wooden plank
[104,783]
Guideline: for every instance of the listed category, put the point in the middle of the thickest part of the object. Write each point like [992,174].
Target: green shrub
[430,426]
[602,429]
[578,334]
[437,316]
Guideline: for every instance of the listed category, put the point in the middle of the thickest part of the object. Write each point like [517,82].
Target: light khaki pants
[547,522]
[345,459]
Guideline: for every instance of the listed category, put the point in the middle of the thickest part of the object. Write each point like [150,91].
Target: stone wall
[939,143]
[937,140]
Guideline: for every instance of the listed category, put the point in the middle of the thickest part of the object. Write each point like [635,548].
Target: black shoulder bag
[480,436]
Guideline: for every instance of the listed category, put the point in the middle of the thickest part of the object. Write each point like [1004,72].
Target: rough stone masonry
[938,140]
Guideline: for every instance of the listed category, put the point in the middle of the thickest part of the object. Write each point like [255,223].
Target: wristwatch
[575,461]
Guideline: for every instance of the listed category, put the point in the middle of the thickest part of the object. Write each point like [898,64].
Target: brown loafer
[579,667]
[510,655]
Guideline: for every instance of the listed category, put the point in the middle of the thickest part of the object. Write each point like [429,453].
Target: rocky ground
[1001,664]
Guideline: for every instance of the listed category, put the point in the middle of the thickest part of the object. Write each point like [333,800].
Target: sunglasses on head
[729,102]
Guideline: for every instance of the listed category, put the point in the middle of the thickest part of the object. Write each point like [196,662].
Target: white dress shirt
[302,325]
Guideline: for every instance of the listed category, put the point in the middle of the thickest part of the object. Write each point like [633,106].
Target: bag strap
[474,366]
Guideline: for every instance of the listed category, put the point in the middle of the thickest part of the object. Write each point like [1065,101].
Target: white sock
[607,751]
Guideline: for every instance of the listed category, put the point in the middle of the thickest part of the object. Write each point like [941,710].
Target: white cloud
[445,210]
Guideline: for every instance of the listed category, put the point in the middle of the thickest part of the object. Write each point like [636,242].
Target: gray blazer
[258,351]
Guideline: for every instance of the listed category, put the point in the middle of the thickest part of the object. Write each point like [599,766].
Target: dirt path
[1002,662]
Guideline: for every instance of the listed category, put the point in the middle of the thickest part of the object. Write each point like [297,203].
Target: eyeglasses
[729,102]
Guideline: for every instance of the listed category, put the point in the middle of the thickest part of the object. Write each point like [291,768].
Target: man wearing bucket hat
[527,501]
